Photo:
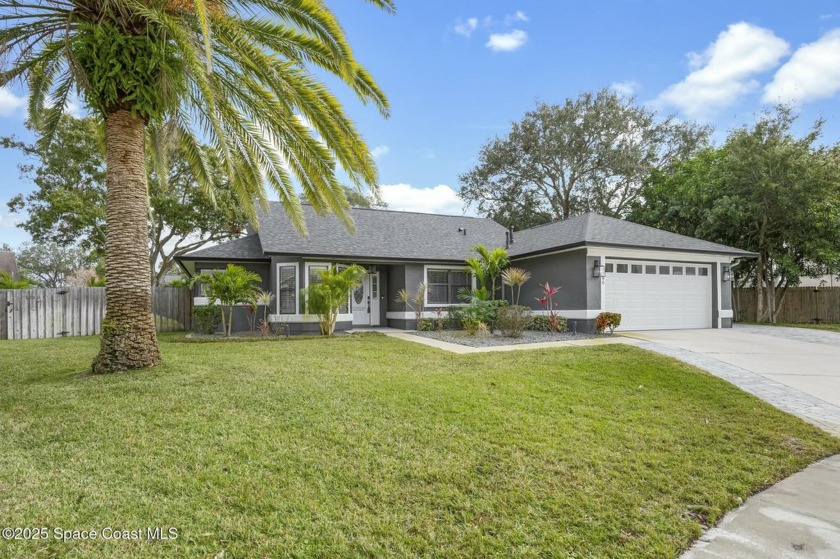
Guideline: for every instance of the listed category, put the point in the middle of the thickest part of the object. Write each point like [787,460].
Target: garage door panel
[649,301]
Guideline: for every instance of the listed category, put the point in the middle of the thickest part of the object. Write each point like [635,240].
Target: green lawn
[368,446]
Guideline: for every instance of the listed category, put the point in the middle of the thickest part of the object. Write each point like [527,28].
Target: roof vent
[462,230]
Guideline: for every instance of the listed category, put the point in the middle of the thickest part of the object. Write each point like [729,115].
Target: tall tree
[67,205]
[237,71]
[48,264]
[765,190]
[591,153]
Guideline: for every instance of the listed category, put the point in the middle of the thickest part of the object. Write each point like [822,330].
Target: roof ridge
[354,208]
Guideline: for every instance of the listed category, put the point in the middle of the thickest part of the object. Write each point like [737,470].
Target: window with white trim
[287,288]
[202,287]
[444,284]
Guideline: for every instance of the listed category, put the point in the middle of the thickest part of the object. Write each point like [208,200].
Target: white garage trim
[656,294]
[666,255]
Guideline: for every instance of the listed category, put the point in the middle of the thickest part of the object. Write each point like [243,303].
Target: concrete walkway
[462,349]
[797,518]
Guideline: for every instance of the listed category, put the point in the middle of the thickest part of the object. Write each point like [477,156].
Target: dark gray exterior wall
[567,270]
[241,316]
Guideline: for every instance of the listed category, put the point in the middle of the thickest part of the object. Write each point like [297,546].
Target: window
[444,284]
[664,270]
[690,271]
[202,286]
[678,271]
[621,268]
[287,279]
[703,271]
[650,269]
[609,268]
[636,269]
[344,309]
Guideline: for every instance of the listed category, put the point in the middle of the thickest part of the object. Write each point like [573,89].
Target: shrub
[473,325]
[207,319]
[513,320]
[607,321]
[426,325]
[540,323]
[453,319]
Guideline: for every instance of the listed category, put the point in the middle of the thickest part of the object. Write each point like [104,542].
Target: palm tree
[234,74]
[230,287]
[489,266]
[326,297]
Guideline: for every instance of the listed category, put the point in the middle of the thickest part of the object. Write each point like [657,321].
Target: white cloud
[466,28]
[518,16]
[379,151]
[440,199]
[10,103]
[813,72]
[725,70]
[506,42]
[627,88]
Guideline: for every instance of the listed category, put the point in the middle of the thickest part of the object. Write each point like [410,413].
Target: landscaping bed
[497,339]
[370,446]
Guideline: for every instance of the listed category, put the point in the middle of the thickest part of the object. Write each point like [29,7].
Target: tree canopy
[67,206]
[591,153]
[764,190]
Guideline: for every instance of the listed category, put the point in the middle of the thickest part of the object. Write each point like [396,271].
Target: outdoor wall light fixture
[727,275]
[598,270]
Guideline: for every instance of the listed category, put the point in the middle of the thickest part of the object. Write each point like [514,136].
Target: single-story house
[654,278]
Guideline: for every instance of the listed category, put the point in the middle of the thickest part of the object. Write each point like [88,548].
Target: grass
[367,446]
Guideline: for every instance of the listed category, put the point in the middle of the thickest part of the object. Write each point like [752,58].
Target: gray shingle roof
[379,234]
[393,235]
[246,248]
[596,229]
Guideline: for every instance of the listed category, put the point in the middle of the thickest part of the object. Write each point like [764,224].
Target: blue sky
[458,73]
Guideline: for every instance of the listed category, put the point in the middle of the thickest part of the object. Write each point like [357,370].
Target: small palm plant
[487,267]
[326,297]
[414,300]
[232,286]
[264,299]
[515,278]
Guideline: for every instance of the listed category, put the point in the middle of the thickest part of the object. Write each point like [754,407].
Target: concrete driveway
[795,369]
[798,371]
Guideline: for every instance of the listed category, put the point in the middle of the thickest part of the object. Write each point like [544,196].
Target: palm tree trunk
[129,340]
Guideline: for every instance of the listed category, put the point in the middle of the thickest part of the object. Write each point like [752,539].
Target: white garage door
[659,295]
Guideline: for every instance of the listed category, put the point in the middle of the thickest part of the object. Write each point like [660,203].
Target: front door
[360,302]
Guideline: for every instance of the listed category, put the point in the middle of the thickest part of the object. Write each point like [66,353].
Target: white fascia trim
[205,301]
[575,314]
[589,314]
[305,318]
[653,254]
[408,315]
[542,254]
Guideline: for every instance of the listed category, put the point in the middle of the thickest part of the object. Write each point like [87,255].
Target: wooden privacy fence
[801,305]
[78,311]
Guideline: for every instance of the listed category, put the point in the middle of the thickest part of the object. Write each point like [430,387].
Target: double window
[444,284]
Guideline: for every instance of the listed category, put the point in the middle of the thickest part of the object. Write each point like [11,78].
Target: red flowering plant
[547,301]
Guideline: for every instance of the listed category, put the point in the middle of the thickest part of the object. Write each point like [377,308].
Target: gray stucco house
[655,279]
